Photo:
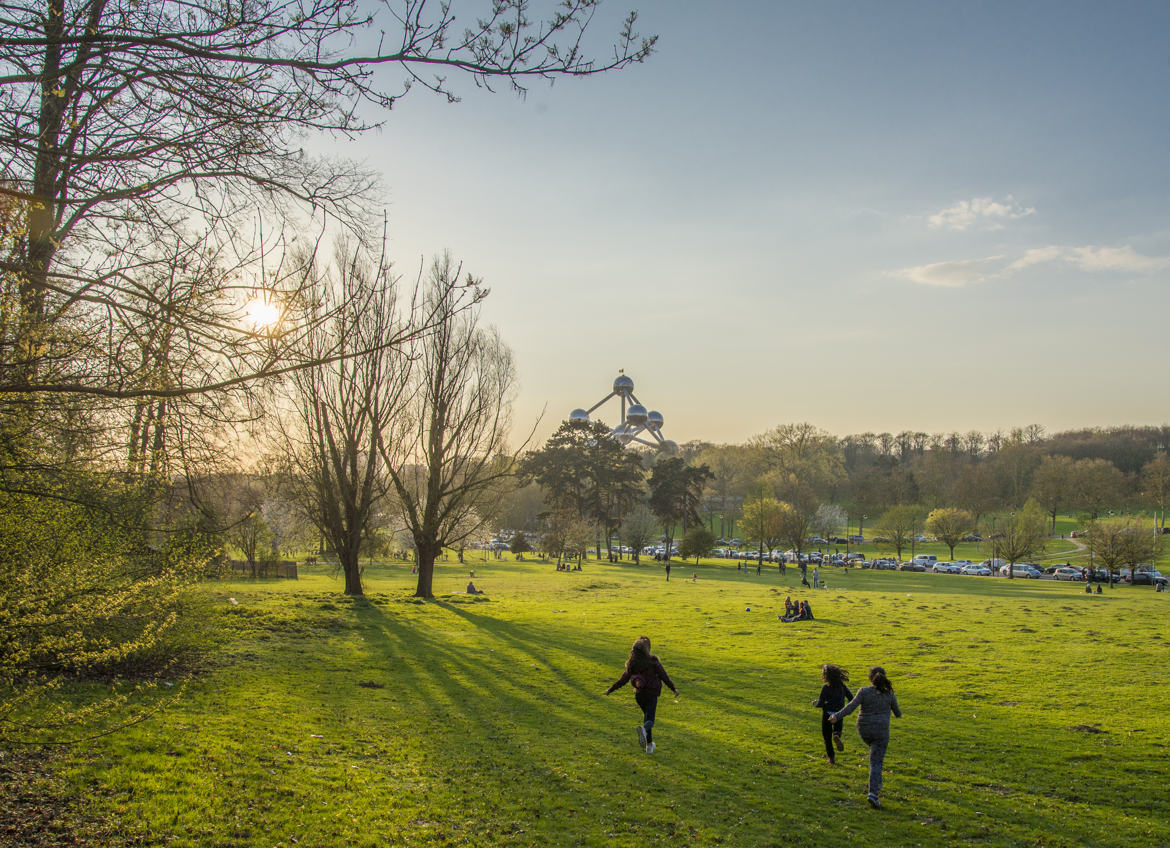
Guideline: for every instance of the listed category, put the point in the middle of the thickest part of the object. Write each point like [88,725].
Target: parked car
[972,537]
[856,540]
[1148,578]
[1065,572]
[978,569]
[1021,569]
[946,568]
[883,564]
[926,560]
[855,556]
[912,565]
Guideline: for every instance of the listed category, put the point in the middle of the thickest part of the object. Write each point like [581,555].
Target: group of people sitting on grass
[796,610]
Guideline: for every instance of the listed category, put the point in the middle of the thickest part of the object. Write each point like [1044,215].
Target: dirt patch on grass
[38,809]
[1086,728]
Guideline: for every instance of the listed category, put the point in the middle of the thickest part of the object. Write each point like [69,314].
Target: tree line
[796,481]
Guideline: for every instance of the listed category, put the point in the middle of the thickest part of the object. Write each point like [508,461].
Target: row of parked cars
[1025,570]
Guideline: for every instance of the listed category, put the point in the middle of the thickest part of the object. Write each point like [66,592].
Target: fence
[271,568]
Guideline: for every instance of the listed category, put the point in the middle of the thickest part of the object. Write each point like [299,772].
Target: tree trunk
[351,567]
[428,551]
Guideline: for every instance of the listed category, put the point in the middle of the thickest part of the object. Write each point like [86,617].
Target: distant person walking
[877,701]
[817,577]
[668,571]
[645,673]
[834,695]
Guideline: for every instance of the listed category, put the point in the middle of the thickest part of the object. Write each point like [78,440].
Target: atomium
[636,422]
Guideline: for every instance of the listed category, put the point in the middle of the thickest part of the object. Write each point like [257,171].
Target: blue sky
[927,216]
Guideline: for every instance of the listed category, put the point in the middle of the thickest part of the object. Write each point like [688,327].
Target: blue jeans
[877,755]
[649,705]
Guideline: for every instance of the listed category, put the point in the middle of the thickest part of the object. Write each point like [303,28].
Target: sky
[867,216]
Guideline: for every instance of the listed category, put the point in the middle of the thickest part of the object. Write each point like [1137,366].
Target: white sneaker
[650,748]
[642,735]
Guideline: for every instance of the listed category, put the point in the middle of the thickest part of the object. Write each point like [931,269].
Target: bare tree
[950,525]
[639,529]
[113,111]
[446,451]
[898,526]
[1118,542]
[1155,482]
[1017,536]
[343,408]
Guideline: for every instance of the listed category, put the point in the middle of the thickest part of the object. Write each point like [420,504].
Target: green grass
[1031,715]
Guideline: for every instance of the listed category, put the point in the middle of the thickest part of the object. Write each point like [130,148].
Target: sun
[261,313]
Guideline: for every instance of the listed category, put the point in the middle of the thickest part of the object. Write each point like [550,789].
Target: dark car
[1147,578]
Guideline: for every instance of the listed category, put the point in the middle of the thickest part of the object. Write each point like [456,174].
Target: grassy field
[1031,715]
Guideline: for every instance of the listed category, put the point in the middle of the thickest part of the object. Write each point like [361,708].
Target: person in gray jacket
[873,724]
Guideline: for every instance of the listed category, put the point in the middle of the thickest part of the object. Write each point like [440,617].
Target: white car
[1066,573]
[946,568]
[1021,569]
[978,569]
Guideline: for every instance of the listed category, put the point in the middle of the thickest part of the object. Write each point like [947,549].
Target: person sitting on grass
[805,611]
[471,590]
[788,605]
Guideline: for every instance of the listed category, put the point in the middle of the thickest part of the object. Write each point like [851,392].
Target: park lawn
[1031,715]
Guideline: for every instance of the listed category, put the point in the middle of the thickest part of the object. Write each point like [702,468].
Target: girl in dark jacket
[873,723]
[645,673]
[834,695]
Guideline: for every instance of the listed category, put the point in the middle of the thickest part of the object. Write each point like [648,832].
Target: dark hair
[640,658]
[877,676]
[834,675]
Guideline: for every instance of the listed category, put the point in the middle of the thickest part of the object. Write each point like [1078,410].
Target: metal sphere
[669,447]
[636,415]
[578,416]
[654,420]
[624,437]
[623,384]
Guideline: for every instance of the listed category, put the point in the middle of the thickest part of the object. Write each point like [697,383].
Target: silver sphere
[624,437]
[654,420]
[623,385]
[578,416]
[636,415]
[669,447]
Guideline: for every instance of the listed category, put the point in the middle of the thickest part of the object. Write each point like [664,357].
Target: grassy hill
[1032,715]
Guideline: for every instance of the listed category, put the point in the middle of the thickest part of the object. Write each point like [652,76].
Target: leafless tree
[121,119]
[447,453]
[345,405]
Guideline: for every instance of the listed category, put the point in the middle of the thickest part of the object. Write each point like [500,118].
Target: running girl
[645,673]
[834,695]
[873,723]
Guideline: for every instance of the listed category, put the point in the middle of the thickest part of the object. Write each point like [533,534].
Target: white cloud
[963,272]
[1116,259]
[1038,256]
[979,213]
[953,274]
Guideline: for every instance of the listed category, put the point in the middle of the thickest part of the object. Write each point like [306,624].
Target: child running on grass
[834,695]
[873,724]
[645,673]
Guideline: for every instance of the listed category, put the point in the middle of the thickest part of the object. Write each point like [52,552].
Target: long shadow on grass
[522,705]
